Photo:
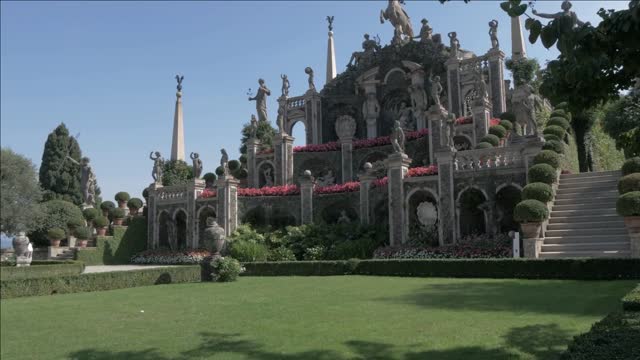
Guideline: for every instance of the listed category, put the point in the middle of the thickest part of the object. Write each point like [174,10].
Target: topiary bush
[241,174]
[557,146]
[122,196]
[210,178]
[563,105]
[491,139]
[558,121]
[484,145]
[631,166]
[538,191]
[101,221]
[547,157]
[135,203]
[56,234]
[629,204]
[281,254]
[498,130]
[117,213]
[248,251]
[145,193]
[549,137]
[506,124]
[219,171]
[82,233]
[90,214]
[508,116]
[530,211]
[559,113]
[629,183]
[243,158]
[107,205]
[226,269]
[543,173]
[234,165]
[75,223]
[554,130]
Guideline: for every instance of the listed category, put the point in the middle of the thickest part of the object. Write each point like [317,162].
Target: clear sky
[107,69]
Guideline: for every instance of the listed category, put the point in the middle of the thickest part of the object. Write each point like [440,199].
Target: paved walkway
[110,268]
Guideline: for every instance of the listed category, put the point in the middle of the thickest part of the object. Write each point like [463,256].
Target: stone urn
[122,204]
[20,244]
[55,242]
[214,237]
[531,230]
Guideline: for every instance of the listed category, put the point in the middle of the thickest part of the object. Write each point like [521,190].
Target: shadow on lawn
[516,296]
[538,341]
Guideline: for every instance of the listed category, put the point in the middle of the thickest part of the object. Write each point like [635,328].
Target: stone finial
[307,173]
[345,127]
[179,79]
[367,166]
[330,21]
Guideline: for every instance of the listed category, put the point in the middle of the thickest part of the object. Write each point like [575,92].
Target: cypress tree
[59,177]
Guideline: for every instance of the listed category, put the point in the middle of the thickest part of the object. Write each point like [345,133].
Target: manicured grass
[345,317]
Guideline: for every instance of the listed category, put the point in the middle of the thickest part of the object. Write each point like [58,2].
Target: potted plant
[117,214]
[106,207]
[122,197]
[83,234]
[75,223]
[90,214]
[55,235]
[531,214]
[628,205]
[134,205]
[101,223]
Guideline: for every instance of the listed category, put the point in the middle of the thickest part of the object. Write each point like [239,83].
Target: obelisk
[518,49]
[331,53]
[177,143]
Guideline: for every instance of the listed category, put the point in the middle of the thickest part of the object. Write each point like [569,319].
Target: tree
[622,122]
[265,133]
[20,194]
[176,172]
[57,214]
[59,177]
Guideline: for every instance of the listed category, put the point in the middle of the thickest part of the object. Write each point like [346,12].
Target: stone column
[306,197]
[283,147]
[397,165]
[496,82]
[331,59]
[453,82]
[177,142]
[446,202]
[481,117]
[346,146]
[313,114]
[152,216]
[194,189]
[436,117]
[518,47]
[227,203]
[252,150]
[366,180]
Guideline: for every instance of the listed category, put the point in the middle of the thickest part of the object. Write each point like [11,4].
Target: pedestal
[283,147]
[194,189]
[446,203]
[306,199]
[365,185]
[252,172]
[397,166]
[532,247]
[346,146]
[227,203]
[496,81]
[453,82]
[436,117]
[152,217]
[481,118]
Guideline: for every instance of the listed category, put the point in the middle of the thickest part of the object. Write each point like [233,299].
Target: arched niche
[163,230]
[332,213]
[422,217]
[507,197]
[462,143]
[180,219]
[203,214]
[256,216]
[472,218]
[266,173]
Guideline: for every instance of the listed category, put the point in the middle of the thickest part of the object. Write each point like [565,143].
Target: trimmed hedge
[538,191]
[543,173]
[122,196]
[117,213]
[631,166]
[629,183]
[555,145]
[119,248]
[530,211]
[90,214]
[10,273]
[299,268]
[491,139]
[135,203]
[99,281]
[484,145]
[631,301]
[629,204]
[107,205]
[554,130]
[549,157]
[558,121]
[549,137]
[506,124]
[498,130]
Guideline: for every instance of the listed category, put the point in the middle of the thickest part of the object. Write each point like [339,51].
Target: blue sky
[107,69]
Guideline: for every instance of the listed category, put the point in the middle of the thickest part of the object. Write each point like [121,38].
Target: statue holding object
[566,11]
[224,162]
[493,34]
[426,32]
[436,89]
[285,85]
[309,71]
[253,127]
[454,44]
[261,100]
[398,17]
[87,181]
[370,47]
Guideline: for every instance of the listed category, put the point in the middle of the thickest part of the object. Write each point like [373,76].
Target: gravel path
[110,268]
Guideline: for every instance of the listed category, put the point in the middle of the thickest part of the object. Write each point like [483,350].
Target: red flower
[380,182]
[494,121]
[422,171]
[338,188]
[208,193]
[464,120]
[284,190]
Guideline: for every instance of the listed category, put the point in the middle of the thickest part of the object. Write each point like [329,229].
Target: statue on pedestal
[371,108]
[23,249]
[224,161]
[418,101]
[179,79]
[398,17]
[454,44]
[330,21]
[524,103]
[344,218]
[285,85]
[480,85]
[326,179]
[397,138]
[87,181]
[493,34]
[566,11]
[261,100]
[370,47]
[405,116]
[450,130]
[426,32]
[436,89]
[197,165]
[309,71]
[158,163]
[253,127]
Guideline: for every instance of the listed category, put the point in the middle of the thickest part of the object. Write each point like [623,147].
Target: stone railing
[493,158]
[295,102]
[172,193]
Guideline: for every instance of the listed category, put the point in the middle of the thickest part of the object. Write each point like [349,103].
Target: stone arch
[462,142]
[256,216]
[472,216]
[201,221]
[180,218]
[282,217]
[163,231]
[331,213]
[507,197]
[391,72]
[420,233]
[291,124]
[262,178]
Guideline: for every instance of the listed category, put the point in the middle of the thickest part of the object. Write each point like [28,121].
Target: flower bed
[330,146]
[360,144]
[168,257]
[476,247]
[422,171]
[208,193]
[494,122]
[284,190]
[464,120]
[338,188]
[380,182]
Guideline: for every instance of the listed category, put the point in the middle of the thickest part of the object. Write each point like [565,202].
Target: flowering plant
[338,188]
[330,146]
[422,171]
[284,190]
[208,193]
[472,247]
[494,122]
[169,257]
[380,182]
[360,144]
[464,120]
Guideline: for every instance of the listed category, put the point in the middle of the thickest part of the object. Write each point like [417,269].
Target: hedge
[98,281]
[491,139]
[629,183]
[574,269]
[557,146]
[549,157]
[558,121]
[119,248]
[506,124]
[498,130]
[631,301]
[538,191]
[484,145]
[631,166]
[629,204]
[39,271]
[549,137]
[543,173]
[554,130]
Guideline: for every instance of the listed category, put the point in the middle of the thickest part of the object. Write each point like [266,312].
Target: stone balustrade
[296,102]
[172,193]
[480,159]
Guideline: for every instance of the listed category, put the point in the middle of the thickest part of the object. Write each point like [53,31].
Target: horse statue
[396,15]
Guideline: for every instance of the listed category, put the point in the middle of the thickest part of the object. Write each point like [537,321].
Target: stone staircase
[583,220]
[67,254]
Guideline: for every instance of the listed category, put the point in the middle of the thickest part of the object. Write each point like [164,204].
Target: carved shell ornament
[345,126]
[427,213]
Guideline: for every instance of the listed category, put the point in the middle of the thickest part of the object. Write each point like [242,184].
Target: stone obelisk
[331,53]
[177,144]
[518,48]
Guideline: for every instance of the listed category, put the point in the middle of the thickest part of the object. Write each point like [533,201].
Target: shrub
[248,251]
[537,191]
[57,214]
[219,171]
[631,166]
[210,177]
[145,193]
[135,203]
[107,205]
[506,124]
[555,145]
[281,254]
[631,301]
[90,214]
[241,174]
[544,173]
[558,121]
[629,183]
[484,145]
[629,204]
[508,116]
[530,211]
[101,221]
[39,270]
[549,137]
[226,269]
[315,253]
[82,233]
[563,106]
[559,113]
[549,157]
[554,130]
[56,234]
[498,130]
[233,165]
[474,246]
[491,139]
[75,223]
[122,196]
[117,213]
[169,257]
[243,158]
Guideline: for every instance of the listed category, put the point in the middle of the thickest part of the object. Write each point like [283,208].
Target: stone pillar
[446,203]
[481,117]
[397,165]
[532,247]
[346,146]
[227,203]
[152,217]
[177,143]
[283,147]
[633,229]
[496,82]
[194,189]
[313,114]
[306,198]
[331,59]
[366,180]
[453,83]
[253,175]
[529,152]
[436,117]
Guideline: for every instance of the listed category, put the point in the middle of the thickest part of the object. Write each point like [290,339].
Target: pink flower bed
[422,171]
[338,188]
[380,182]
[360,144]
[464,120]
[494,121]
[208,193]
[169,257]
[330,146]
[284,190]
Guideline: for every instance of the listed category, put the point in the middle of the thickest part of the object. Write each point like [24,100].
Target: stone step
[614,224]
[610,194]
[588,200]
[586,232]
[585,254]
[586,239]
[585,207]
[582,211]
[608,181]
[598,246]
[577,219]
[586,188]
[616,173]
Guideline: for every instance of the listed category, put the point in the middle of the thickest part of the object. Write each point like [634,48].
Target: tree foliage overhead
[20,194]
[59,177]
[622,122]
[176,172]
[264,133]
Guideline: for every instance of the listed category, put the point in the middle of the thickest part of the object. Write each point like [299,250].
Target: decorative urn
[345,127]
[214,237]
[20,244]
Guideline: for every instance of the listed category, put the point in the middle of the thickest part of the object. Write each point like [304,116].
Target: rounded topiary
[631,166]
[530,211]
[549,137]
[233,165]
[101,221]
[543,173]
[219,171]
[107,205]
[547,157]
[506,124]
[507,116]
[242,174]
[554,145]
[484,145]
[145,193]
[554,130]
[82,233]
[559,113]
[558,121]
[629,204]
[75,223]
[55,234]
[243,158]
[122,196]
[90,214]
[491,139]
[135,203]
[563,105]
[538,191]
[629,183]
[117,213]
[498,130]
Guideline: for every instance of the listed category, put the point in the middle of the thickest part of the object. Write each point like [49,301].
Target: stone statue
[436,89]
[523,103]
[261,100]
[397,138]
[344,218]
[253,127]
[418,101]
[426,32]
[370,48]
[224,161]
[87,181]
[371,108]
[309,71]
[330,21]
[23,249]
[566,11]
[327,179]
[197,165]
[179,79]
[480,85]
[404,116]
[398,17]
[450,130]
[285,85]
[268,177]
[213,237]
[493,34]
[427,214]
[280,118]
[158,163]
[454,44]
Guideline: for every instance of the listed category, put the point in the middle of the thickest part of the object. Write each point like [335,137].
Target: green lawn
[341,317]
